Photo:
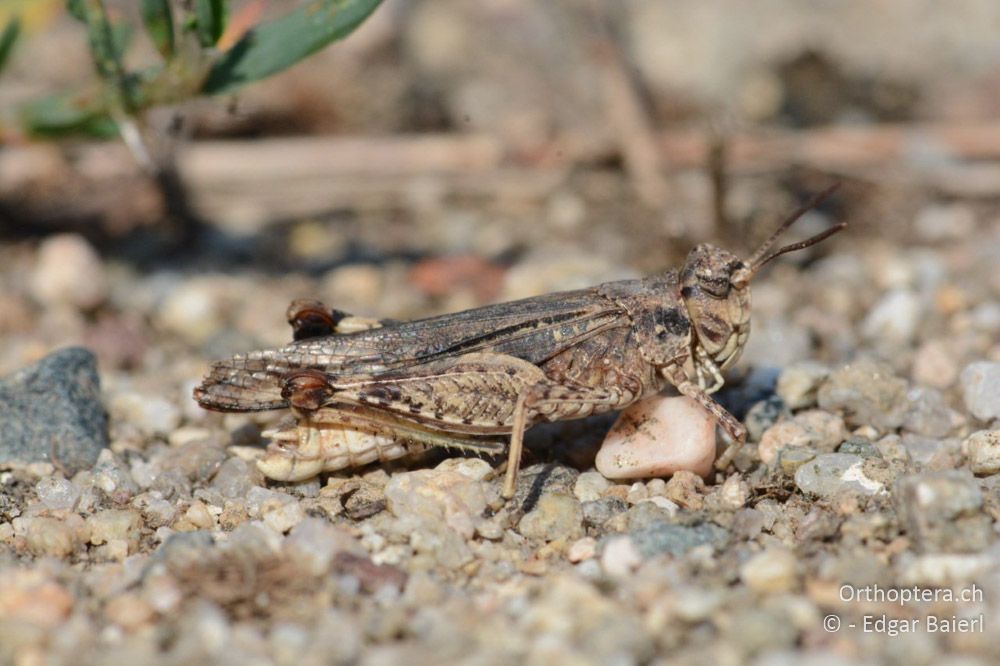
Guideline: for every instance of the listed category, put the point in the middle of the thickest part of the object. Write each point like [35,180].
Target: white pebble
[894,318]
[590,486]
[658,500]
[57,493]
[620,557]
[774,570]
[657,437]
[945,569]
[153,415]
[192,311]
[69,272]
[981,389]
[983,450]
[476,469]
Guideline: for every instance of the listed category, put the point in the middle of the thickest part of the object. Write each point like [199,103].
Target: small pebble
[192,310]
[859,446]
[28,598]
[798,383]
[934,364]
[664,537]
[555,516]
[156,510]
[815,429]
[597,512]
[774,570]
[235,478]
[929,414]
[930,452]
[734,492]
[661,502]
[620,557]
[185,435]
[153,415]
[315,542]
[51,536]
[698,604]
[686,489]
[891,448]
[129,611]
[354,283]
[763,415]
[112,476]
[435,496]
[945,569]
[636,492]
[894,318]
[791,458]
[866,392]
[199,516]
[830,473]
[939,222]
[983,450]
[57,493]
[282,516]
[476,469]
[114,524]
[259,496]
[590,486]
[981,389]
[780,437]
[582,549]
[942,511]
[69,272]
[657,437]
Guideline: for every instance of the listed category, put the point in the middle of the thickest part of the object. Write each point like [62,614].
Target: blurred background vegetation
[199,125]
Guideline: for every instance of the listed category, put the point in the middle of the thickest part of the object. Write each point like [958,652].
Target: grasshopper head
[715,286]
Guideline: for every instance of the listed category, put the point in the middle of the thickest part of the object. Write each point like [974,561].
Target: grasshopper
[363,390]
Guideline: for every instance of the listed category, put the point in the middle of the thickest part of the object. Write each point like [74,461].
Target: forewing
[533,329]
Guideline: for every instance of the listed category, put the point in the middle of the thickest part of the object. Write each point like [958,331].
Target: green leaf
[108,42]
[7,39]
[68,113]
[77,9]
[160,25]
[272,47]
[210,20]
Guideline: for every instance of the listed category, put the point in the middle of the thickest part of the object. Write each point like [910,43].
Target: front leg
[686,387]
[706,368]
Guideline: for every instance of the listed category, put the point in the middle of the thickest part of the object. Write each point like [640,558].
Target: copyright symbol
[831,623]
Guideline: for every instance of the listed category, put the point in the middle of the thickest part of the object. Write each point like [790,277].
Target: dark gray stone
[53,408]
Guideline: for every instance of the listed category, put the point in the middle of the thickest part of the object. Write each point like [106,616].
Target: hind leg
[549,401]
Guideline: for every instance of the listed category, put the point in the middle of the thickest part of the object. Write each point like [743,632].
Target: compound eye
[716,287]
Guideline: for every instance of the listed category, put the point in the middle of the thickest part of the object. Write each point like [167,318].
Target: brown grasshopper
[363,391]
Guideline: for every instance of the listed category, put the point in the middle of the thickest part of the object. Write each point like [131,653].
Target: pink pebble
[657,437]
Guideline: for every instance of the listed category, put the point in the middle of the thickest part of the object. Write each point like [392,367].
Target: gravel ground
[871,390]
